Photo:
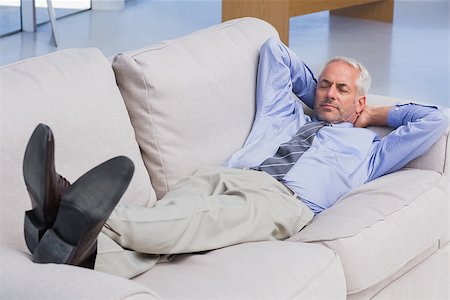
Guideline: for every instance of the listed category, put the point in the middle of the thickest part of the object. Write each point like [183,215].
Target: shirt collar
[337,125]
[343,125]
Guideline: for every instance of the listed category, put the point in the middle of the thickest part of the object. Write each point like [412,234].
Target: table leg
[274,12]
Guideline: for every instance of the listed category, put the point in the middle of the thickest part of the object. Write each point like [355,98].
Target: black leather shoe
[44,185]
[84,209]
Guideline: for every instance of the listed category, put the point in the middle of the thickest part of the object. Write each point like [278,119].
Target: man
[290,168]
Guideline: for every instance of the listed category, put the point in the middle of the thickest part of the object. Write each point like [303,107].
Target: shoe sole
[83,210]
[39,150]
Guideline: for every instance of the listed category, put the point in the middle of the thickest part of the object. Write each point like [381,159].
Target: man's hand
[372,116]
[364,118]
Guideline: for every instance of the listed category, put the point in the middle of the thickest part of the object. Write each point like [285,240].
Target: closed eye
[325,84]
[343,88]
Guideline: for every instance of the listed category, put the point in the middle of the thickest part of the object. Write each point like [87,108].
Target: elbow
[442,121]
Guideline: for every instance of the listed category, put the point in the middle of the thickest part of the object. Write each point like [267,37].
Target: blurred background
[408,58]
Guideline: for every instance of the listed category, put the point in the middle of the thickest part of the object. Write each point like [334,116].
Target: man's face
[336,94]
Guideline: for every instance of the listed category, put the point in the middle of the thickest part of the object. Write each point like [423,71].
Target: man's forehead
[339,72]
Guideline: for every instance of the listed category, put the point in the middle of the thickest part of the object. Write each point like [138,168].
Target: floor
[407,59]
[10,12]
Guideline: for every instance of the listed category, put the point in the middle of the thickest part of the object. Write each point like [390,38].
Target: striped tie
[288,153]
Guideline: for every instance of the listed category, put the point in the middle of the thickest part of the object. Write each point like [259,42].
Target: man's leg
[112,258]
[216,207]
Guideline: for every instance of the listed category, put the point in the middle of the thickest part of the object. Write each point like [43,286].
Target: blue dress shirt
[341,157]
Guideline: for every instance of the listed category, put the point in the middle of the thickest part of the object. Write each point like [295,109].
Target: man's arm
[278,111]
[417,129]
[281,73]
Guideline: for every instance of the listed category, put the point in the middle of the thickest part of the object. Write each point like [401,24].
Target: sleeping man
[290,168]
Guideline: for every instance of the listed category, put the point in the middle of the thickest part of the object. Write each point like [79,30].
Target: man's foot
[83,210]
[44,185]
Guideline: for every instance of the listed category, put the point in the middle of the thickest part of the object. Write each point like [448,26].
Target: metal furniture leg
[51,14]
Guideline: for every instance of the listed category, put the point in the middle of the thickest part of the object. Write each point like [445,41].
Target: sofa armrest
[20,278]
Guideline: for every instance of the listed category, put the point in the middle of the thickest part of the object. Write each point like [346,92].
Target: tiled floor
[407,59]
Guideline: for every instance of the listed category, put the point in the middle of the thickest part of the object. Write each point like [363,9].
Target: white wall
[108,4]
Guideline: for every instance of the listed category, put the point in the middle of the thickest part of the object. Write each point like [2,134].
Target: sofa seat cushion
[192,100]
[74,92]
[54,281]
[260,270]
[385,225]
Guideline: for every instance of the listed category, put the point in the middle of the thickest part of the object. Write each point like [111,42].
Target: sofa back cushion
[192,100]
[74,92]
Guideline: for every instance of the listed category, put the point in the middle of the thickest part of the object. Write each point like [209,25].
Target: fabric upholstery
[432,274]
[74,92]
[210,107]
[426,277]
[261,270]
[51,281]
[380,227]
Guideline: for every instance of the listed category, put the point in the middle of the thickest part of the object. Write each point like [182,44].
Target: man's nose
[331,93]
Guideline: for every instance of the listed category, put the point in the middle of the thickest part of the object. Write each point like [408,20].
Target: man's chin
[327,117]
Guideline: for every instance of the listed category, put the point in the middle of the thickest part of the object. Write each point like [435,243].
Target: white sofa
[184,103]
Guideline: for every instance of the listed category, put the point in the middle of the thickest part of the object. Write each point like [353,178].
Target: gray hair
[364,80]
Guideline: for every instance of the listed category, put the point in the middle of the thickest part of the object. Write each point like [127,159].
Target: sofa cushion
[428,280]
[426,277]
[380,227]
[55,281]
[260,270]
[74,92]
[208,113]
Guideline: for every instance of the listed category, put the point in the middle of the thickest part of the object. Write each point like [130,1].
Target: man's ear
[360,104]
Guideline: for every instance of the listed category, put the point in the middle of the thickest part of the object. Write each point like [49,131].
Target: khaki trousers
[214,208]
